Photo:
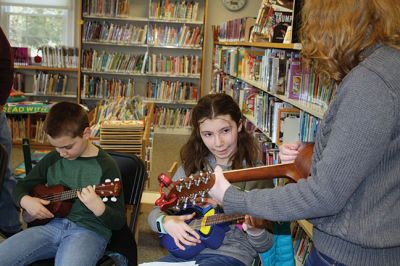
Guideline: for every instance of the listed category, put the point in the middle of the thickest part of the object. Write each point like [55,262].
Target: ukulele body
[210,236]
[57,207]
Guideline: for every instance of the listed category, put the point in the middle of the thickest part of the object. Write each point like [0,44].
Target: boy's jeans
[70,244]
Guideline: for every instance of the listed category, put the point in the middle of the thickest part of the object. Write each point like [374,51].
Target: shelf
[174,20]
[174,47]
[307,227]
[113,73]
[172,131]
[170,102]
[44,95]
[172,76]
[141,19]
[116,44]
[46,68]
[291,46]
[311,108]
[252,120]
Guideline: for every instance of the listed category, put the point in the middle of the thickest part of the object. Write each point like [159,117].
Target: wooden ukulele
[192,189]
[60,198]
[209,224]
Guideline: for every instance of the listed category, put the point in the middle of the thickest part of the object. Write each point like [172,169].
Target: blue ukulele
[209,224]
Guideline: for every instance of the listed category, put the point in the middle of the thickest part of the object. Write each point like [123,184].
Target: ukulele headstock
[109,188]
[185,191]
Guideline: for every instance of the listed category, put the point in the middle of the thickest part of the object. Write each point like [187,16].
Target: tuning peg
[188,184]
[113,199]
[108,180]
[105,199]
[116,179]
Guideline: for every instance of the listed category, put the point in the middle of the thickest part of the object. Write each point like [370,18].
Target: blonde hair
[335,32]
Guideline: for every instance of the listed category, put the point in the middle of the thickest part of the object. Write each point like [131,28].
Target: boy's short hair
[66,119]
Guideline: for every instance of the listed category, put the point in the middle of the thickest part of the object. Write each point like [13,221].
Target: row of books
[105,61]
[99,87]
[274,22]
[182,36]
[187,65]
[108,8]
[49,84]
[168,90]
[302,244]
[277,120]
[18,127]
[165,117]
[109,32]
[174,9]
[275,70]
[235,30]
[60,56]
[119,108]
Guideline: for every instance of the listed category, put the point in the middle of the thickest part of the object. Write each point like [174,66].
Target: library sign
[26,108]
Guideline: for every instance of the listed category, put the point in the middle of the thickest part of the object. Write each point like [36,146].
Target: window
[34,23]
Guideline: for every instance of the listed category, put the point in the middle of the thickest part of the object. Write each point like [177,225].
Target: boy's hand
[91,200]
[180,231]
[35,207]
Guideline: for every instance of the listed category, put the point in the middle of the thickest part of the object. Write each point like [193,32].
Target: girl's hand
[180,231]
[35,207]
[288,152]
[217,192]
[253,226]
[91,200]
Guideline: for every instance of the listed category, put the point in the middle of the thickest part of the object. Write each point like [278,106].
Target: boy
[81,237]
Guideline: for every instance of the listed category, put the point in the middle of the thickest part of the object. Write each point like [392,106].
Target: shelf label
[26,108]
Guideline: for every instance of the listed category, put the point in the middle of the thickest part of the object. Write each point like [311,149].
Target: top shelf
[144,19]
[292,46]
[45,68]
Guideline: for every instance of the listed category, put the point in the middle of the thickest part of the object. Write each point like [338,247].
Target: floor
[148,243]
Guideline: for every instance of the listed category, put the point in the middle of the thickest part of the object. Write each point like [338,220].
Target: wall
[218,14]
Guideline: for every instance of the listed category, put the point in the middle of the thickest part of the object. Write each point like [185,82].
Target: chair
[3,165]
[133,173]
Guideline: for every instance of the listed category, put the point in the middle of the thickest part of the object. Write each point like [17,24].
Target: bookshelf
[26,121]
[150,48]
[46,83]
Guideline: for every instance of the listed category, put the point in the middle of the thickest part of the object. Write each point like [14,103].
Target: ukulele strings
[64,195]
[215,219]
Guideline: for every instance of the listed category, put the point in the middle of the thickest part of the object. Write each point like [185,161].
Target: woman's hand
[217,192]
[253,226]
[288,152]
[180,231]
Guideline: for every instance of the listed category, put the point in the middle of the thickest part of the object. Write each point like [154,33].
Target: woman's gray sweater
[353,194]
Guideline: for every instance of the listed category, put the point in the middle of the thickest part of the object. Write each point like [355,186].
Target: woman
[352,196]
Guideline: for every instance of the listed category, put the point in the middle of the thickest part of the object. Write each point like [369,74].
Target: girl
[218,138]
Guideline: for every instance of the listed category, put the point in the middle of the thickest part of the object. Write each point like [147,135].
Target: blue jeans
[70,244]
[316,258]
[9,213]
[207,260]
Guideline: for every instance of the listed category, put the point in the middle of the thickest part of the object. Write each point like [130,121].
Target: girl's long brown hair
[194,153]
[335,33]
